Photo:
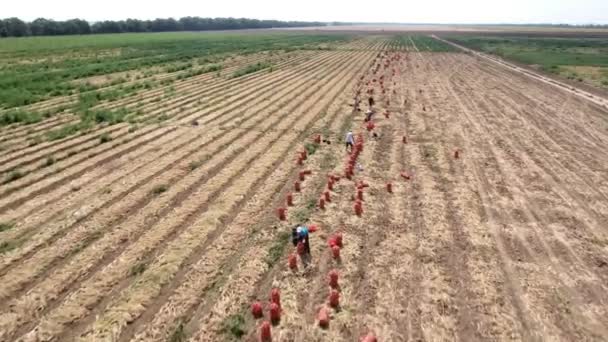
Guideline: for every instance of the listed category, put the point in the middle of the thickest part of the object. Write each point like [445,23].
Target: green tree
[16,27]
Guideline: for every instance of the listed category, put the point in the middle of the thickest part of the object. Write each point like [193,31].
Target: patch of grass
[35,141]
[178,334]
[251,68]
[162,117]
[234,326]
[195,165]
[50,160]
[46,76]
[4,226]
[6,246]
[13,176]
[104,138]
[278,248]
[94,236]
[137,269]
[311,148]
[303,215]
[159,189]
[133,128]
[69,129]
[19,116]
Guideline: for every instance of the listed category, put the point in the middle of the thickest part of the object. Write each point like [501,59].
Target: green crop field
[421,43]
[581,59]
[38,68]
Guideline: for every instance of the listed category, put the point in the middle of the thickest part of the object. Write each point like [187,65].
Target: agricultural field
[577,59]
[472,207]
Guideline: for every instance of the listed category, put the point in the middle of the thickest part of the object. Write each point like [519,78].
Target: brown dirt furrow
[541,198]
[162,227]
[557,126]
[581,115]
[572,162]
[540,246]
[530,325]
[561,178]
[184,166]
[468,266]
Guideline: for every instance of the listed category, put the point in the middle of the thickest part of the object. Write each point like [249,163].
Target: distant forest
[14,27]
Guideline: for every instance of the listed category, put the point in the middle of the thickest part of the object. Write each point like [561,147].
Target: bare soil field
[460,29]
[483,197]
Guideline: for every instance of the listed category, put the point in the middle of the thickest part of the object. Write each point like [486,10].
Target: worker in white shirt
[350,141]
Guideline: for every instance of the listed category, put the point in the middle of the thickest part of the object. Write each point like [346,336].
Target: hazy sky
[420,11]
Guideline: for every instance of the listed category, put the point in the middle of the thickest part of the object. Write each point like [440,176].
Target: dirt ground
[494,229]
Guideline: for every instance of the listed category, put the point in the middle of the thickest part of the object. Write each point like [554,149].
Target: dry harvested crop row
[186,117]
[185,297]
[186,99]
[161,229]
[112,316]
[151,110]
[212,137]
[216,115]
[63,101]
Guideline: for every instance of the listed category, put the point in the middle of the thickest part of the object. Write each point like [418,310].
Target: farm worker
[350,140]
[300,234]
[368,115]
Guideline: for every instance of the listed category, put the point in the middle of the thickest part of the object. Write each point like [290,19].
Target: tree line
[15,27]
